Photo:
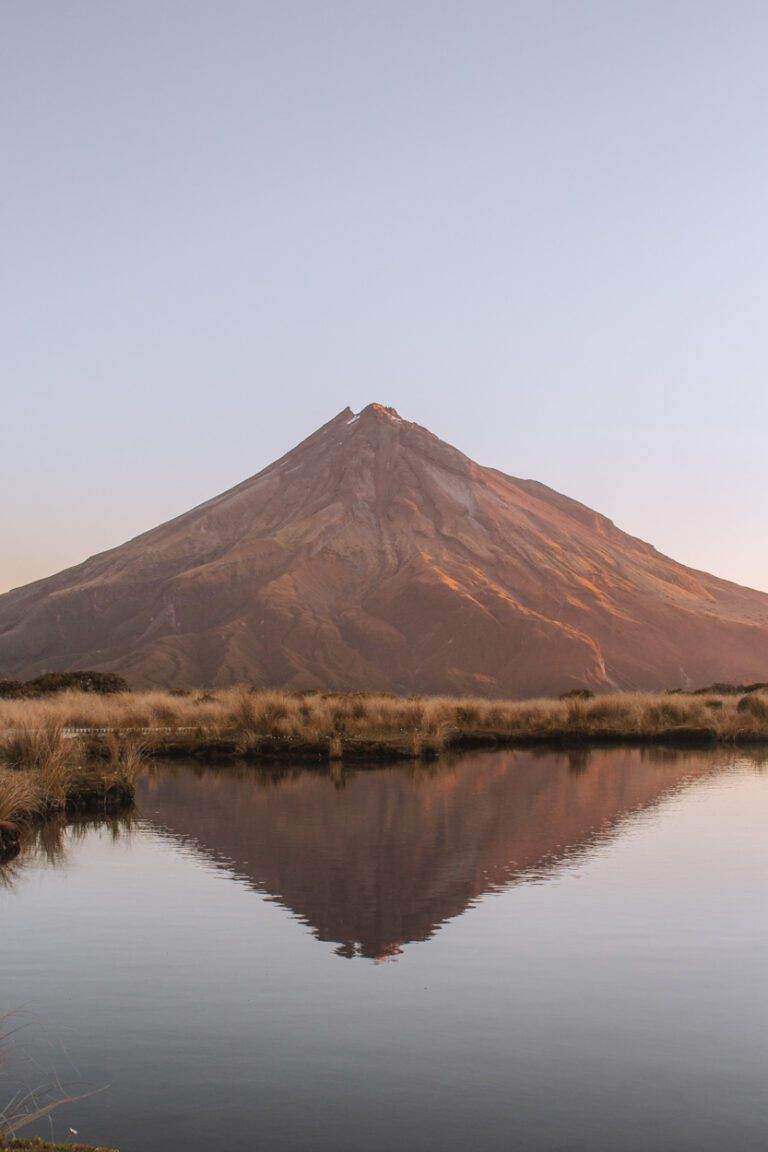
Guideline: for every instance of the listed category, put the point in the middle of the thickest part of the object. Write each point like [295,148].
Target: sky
[539,229]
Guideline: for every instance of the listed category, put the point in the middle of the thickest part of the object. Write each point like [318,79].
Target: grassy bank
[43,1146]
[45,771]
[260,725]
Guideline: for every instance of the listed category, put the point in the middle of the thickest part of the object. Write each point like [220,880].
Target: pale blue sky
[538,228]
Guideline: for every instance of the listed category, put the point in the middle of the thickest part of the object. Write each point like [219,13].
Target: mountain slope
[374,555]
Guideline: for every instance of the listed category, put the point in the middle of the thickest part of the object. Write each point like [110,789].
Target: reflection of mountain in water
[395,852]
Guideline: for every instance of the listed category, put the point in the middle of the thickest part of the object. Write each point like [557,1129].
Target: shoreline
[258,726]
[35,1144]
[268,750]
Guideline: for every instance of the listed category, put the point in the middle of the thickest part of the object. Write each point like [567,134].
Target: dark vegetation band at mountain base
[103,683]
[108,683]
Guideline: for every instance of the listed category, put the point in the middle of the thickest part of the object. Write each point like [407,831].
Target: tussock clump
[754,706]
[19,794]
[576,713]
[47,770]
[164,714]
[28,747]
[335,748]
[666,713]
[244,710]
[610,710]
[125,756]
[468,715]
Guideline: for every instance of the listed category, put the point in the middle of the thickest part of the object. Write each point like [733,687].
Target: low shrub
[104,683]
[11,689]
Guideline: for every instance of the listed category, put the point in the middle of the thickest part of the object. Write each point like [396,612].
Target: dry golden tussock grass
[45,770]
[254,722]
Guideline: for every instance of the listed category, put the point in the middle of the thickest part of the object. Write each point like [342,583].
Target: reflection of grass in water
[273,775]
[48,843]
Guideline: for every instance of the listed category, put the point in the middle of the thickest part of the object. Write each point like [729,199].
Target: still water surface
[504,951]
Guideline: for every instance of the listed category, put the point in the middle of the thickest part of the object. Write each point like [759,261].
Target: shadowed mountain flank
[380,858]
[375,556]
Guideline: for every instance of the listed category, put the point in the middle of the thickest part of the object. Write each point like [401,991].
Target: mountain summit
[375,556]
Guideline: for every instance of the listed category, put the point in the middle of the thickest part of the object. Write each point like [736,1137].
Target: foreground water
[507,951]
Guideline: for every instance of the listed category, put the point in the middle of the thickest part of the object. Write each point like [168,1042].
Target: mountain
[375,556]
